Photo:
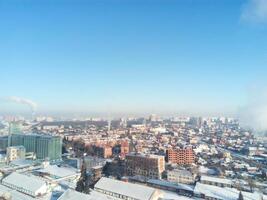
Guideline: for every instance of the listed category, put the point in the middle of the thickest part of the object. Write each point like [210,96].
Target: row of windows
[115,194]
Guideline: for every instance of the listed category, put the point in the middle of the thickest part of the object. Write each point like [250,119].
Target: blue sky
[132,56]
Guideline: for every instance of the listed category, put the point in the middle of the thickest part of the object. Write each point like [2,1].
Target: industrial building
[123,190]
[29,185]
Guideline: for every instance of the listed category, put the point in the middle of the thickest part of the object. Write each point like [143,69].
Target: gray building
[44,146]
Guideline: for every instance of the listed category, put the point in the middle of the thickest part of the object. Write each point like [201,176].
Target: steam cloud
[254,114]
[23,101]
[255,11]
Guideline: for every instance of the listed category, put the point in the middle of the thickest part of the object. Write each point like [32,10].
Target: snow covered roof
[29,183]
[59,172]
[216,179]
[13,193]
[136,191]
[224,193]
[74,195]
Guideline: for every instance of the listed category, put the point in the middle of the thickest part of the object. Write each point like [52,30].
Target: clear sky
[132,56]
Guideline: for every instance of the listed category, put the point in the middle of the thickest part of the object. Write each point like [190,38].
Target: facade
[215,181]
[3,143]
[30,143]
[184,156]
[121,149]
[180,176]
[45,147]
[15,152]
[122,190]
[49,147]
[102,151]
[150,166]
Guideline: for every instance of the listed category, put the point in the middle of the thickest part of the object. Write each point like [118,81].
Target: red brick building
[184,156]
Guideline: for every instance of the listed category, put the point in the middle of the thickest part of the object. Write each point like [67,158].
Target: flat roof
[216,179]
[224,193]
[15,195]
[74,195]
[59,172]
[136,191]
[30,183]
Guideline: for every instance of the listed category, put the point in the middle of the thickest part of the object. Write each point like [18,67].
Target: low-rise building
[220,182]
[74,195]
[123,190]
[15,153]
[30,185]
[180,176]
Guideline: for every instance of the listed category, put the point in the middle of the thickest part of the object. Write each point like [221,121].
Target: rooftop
[224,193]
[216,179]
[139,192]
[58,172]
[74,195]
[30,183]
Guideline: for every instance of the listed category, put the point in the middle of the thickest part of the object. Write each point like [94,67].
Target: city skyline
[134,57]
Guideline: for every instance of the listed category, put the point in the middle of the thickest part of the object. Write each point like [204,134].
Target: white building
[123,190]
[53,173]
[30,185]
[180,176]
[15,153]
[220,182]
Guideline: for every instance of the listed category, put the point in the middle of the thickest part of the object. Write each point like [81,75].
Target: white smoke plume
[24,101]
[254,114]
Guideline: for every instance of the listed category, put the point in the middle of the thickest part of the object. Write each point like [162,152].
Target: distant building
[123,190]
[102,151]
[150,166]
[91,162]
[180,176]
[15,127]
[253,151]
[121,149]
[15,153]
[184,156]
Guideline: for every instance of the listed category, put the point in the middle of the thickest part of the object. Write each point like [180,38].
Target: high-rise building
[3,143]
[30,143]
[45,147]
[183,156]
[48,147]
[16,140]
[150,166]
